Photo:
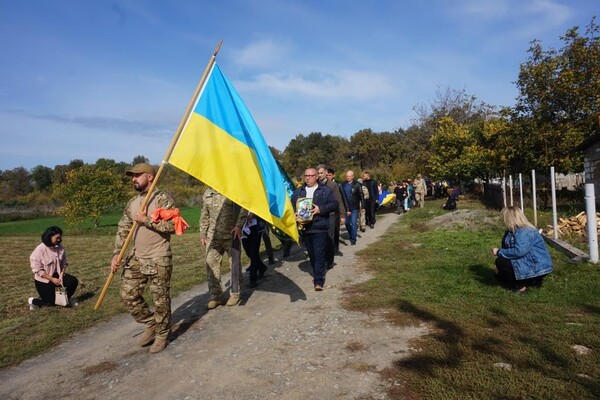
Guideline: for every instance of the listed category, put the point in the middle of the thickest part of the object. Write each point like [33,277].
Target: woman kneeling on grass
[48,263]
[523,259]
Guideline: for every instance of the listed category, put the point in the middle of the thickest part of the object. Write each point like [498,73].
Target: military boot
[158,345]
[214,303]
[147,336]
[234,299]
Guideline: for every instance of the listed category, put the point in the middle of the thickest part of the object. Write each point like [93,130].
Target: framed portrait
[303,207]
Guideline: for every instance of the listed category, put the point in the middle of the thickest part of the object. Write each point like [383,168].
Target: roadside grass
[25,333]
[441,275]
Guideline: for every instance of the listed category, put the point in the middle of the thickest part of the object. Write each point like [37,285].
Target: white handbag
[60,296]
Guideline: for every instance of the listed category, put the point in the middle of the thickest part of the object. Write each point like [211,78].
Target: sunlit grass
[442,275]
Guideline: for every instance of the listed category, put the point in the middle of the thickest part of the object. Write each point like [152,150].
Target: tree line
[455,136]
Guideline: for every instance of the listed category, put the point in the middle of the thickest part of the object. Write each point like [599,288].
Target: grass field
[441,274]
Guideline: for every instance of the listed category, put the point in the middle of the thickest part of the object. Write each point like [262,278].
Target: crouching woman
[523,260]
[48,263]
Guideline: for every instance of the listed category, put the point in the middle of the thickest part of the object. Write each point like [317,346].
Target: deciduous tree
[88,192]
[559,99]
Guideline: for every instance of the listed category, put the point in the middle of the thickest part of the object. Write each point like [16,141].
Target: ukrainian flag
[222,146]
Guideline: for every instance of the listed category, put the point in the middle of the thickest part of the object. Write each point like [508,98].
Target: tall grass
[441,274]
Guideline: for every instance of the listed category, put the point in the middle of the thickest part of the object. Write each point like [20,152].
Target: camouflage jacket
[219,216]
[151,239]
[420,185]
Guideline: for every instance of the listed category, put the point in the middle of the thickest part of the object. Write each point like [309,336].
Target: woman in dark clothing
[251,239]
[48,264]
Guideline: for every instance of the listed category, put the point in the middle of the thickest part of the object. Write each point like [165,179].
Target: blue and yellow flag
[222,146]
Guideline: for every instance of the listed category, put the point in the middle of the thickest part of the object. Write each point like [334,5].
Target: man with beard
[150,260]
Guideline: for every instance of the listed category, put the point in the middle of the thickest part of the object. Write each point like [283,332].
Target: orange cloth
[162,214]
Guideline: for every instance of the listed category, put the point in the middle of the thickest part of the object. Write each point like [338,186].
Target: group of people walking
[223,224]
[409,194]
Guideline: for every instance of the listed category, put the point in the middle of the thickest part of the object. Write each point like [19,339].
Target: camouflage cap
[140,169]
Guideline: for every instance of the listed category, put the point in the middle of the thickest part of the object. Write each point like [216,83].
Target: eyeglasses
[310,176]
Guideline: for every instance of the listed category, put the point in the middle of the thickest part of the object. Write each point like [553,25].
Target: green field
[441,274]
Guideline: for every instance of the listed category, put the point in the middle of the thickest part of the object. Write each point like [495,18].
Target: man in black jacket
[334,217]
[352,191]
[315,232]
[371,202]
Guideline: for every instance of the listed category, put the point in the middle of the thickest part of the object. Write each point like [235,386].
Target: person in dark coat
[315,231]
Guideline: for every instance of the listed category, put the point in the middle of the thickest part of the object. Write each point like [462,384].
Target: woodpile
[576,225]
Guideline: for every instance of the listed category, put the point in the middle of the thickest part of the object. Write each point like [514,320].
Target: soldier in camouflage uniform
[149,262]
[221,221]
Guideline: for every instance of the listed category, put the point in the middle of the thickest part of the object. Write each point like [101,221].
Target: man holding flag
[149,262]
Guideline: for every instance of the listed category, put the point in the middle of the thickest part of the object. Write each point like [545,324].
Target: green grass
[442,276]
[25,333]
[107,226]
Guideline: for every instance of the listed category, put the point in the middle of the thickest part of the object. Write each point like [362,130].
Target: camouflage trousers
[214,258]
[156,273]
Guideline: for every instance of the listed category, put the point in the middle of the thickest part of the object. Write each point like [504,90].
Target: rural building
[591,161]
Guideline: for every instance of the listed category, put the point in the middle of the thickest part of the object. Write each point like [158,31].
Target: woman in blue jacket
[523,259]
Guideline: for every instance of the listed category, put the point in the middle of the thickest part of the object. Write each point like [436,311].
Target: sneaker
[159,345]
[73,303]
[147,337]
[31,305]
[233,300]
[214,303]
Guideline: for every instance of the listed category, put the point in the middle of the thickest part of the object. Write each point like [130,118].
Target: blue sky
[112,79]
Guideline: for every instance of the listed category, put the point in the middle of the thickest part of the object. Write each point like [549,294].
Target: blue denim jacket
[526,250]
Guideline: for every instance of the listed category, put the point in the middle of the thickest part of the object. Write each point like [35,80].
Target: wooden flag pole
[186,116]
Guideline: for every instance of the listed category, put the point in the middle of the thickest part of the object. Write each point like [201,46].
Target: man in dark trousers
[315,232]
[341,219]
[334,218]
[352,191]
[371,202]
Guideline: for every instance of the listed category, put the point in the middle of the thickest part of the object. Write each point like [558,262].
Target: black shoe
[261,273]
[271,261]
[372,226]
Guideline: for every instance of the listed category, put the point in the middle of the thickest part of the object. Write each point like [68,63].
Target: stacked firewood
[576,225]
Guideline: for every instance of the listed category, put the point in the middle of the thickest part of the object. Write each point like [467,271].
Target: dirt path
[285,341]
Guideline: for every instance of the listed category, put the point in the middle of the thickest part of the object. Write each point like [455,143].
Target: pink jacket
[49,260]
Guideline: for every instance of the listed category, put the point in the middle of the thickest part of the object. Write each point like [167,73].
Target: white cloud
[262,53]
[347,84]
